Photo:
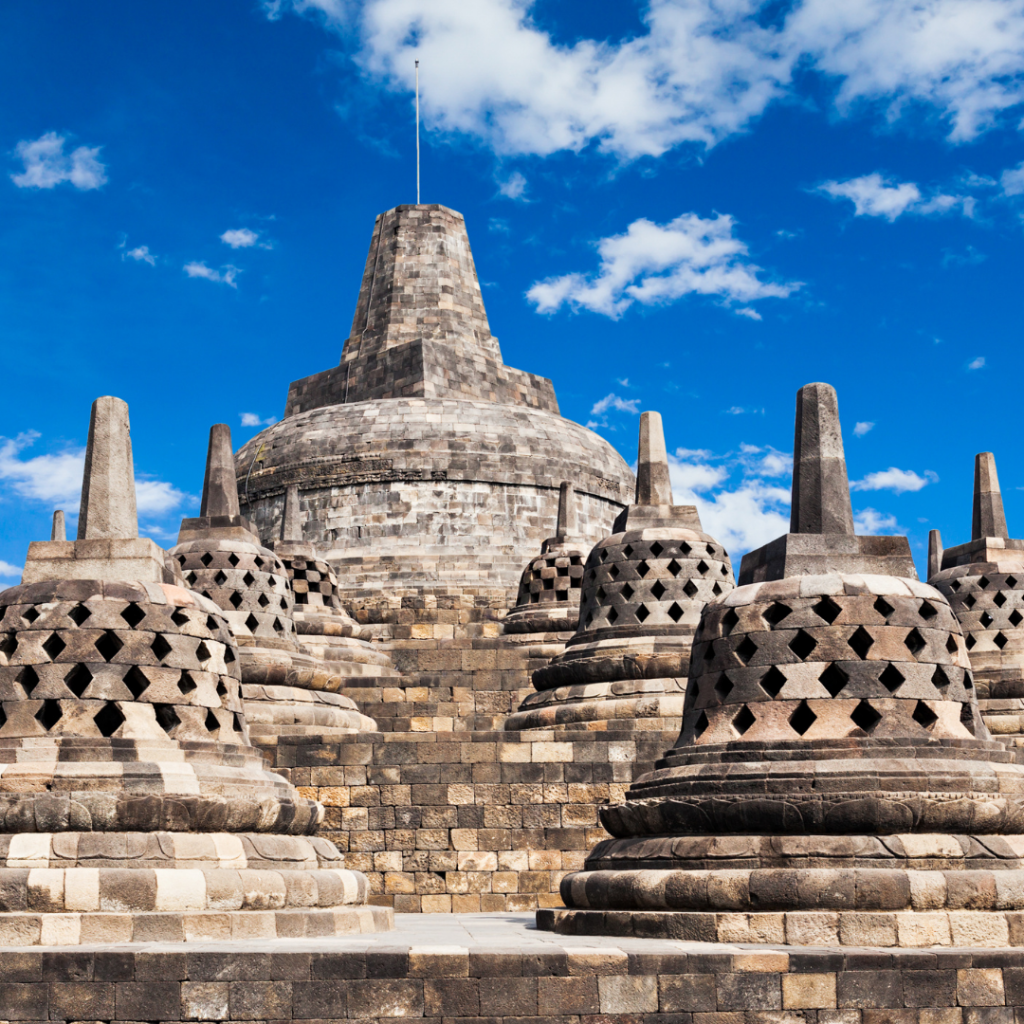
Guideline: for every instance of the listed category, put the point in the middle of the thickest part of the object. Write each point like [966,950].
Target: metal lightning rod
[417,133]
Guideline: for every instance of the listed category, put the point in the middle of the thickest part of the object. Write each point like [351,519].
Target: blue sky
[690,206]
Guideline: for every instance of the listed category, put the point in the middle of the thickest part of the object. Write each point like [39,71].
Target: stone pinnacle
[291,526]
[989,518]
[566,510]
[653,486]
[108,486]
[821,490]
[58,531]
[220,487]
[934,552]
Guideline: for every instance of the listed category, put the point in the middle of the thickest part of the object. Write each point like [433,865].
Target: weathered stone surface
[58,531]
[108,486]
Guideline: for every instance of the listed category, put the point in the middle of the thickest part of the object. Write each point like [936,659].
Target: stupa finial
[934,552]
[291,526]
[989,518]
[821,489]
[653,486]
[566,510]
[220,488]
[58,531]
[108,486]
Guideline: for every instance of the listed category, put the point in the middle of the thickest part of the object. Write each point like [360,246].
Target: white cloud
[244,238]
[157,497]
[699,72]
[252,419]
[873,195]
[654,263]
[976,364]
[226,274]
[865,427]
[1012,180]
[748,312]
[8,571]
[47,165]
[514,186]
[141,254]
[613,401]
[870,522]
[892,479]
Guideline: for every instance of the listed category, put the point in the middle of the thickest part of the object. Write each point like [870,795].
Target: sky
[690,206]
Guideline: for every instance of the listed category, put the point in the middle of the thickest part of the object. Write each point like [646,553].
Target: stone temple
[436,712]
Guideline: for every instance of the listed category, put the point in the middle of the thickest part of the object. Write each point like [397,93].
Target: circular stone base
[73,929]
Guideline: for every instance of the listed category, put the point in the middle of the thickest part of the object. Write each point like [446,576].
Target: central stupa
[430,470]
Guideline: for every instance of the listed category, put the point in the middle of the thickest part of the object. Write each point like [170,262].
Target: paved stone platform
[477,968]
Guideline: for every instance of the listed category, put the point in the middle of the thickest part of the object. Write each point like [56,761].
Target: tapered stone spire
[108,487]
[989,519]
[220,490]
[566,510]
[58,530]
[291,524]
[653,486]
[821,490]
[934,552]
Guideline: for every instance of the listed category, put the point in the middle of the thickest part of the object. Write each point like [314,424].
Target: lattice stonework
[314,583]
[784,667]
[660,582]
[86,658]
[551,579]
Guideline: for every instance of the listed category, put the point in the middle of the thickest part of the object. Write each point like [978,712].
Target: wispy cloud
[226,275]
[244,238]
[655,264]
[613,401]
[47,165]
[870,522]
[8,571]
[976,364]
[252,419]
[514,186]
[862,428]
[896,480]
[140,254]
[873,195]
[1012,180]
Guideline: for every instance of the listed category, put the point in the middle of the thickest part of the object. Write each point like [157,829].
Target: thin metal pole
[417,133]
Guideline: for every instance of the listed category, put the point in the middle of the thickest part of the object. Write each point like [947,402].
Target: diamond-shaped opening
[892,678]
[263,600]
[746,650]
[186,684]
[776,613]
[190,578]
[602,553]
[236,723]
[675,613]
[78,680]
[865,717]
[716,590]
[221,578]
[641,612]
[702,567]
[108,719]
[133,615]
[206,558]
[724,686]
[772,682]
[252,623]
[955,585]
[614,572]
[951,644]
[861,642]
[167,717]
[924,716]
[79,614]
[940,680]
[179,618]
[827,609]
[1011,581]
[915,643]
[1001,640]
[710,549]
[160,647]
[744,720]
[656,549]
[643,568]
[1016,618]
[627,591]
[729,619]
[31,615]
[248,579]
[986,619]
[685,548]
[601,593]
[833,679]
[968,681]
[999,600]
[212,722]
[136,681]
[28,679]
[969,601]
[969,642]
[883,607]
[658,590]
[984,582]
[49,714]
[802,718]
[612,615]
[108,645]
[222,690]
[700,726]
[54,646]
[709,651]
[203,652]
[233,559]
[967,718]
[181,559]
[259,563]
[803,644]
[212,624]
[928,610]
[3,717]
[674,567]
[690,590]
[8,644]
[627,550]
